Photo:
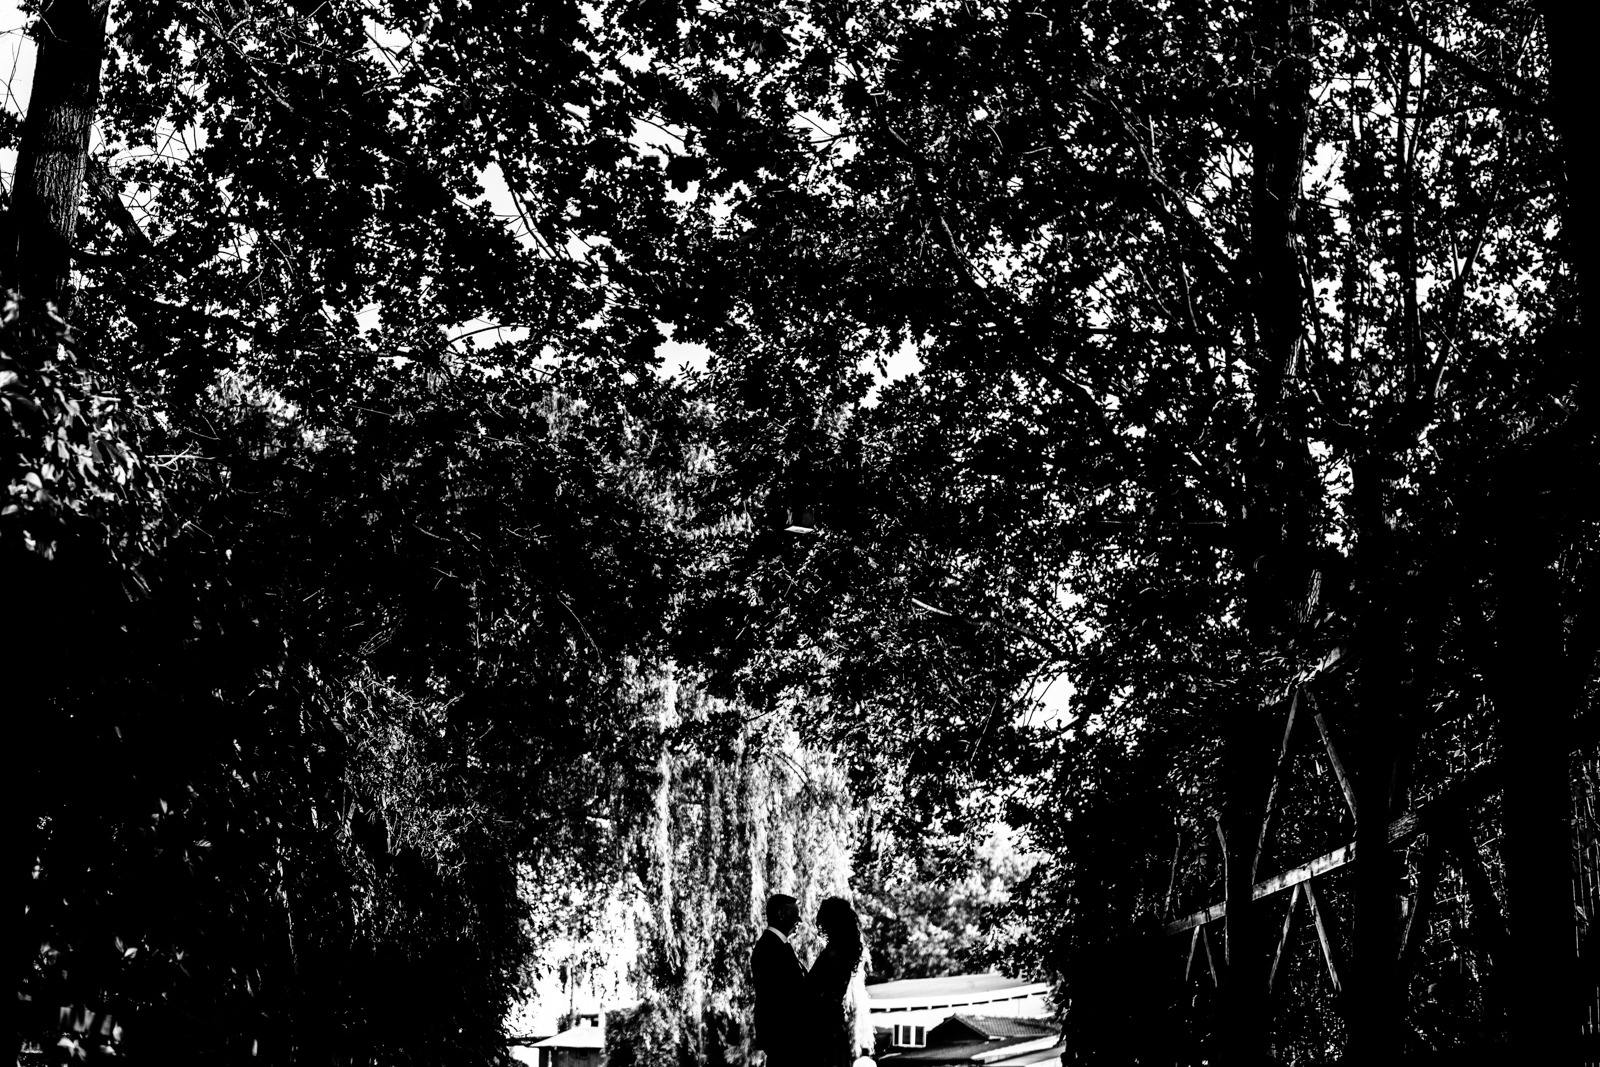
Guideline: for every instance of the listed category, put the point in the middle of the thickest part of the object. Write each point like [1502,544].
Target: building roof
[990,1027]
[907,988]
[949,1052]
[1040,1057]
[988,1040]
[577,1037]
[958,991]
[1005,1050]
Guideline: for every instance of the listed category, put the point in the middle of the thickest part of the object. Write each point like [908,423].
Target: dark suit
[780,980]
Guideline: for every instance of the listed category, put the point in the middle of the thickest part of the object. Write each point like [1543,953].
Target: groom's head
[783,913]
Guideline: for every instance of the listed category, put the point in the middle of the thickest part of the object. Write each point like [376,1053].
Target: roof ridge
[991,1027]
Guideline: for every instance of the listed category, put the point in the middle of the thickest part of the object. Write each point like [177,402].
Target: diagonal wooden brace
[1326,934]
[1278,774]
[1339,770]
[1281,956]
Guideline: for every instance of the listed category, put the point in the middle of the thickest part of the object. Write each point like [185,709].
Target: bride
[836,988]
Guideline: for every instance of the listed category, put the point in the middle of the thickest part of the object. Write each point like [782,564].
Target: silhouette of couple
[814,1017]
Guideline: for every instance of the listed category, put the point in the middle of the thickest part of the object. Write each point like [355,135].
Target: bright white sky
[16,56]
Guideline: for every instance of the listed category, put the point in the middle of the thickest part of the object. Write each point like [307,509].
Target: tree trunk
[1374,1002]
[1280,479]
[55,148]
[1534,696]
[1247,764]
[1535,687]
[37,262]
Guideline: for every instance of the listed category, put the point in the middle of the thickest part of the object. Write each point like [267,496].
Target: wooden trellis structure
[1449,868]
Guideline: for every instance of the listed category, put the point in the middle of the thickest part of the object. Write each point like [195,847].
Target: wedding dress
[861,1007]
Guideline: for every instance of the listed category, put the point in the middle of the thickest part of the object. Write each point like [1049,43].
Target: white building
[928,1002]
[583,1045]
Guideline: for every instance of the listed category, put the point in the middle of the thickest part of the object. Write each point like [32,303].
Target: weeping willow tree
[740,810]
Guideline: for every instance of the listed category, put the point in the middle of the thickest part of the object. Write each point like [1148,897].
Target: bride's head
[838,922]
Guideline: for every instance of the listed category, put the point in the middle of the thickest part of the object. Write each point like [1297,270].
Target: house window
[910,1036]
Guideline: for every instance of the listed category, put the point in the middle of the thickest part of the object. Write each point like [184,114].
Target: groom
[779,978]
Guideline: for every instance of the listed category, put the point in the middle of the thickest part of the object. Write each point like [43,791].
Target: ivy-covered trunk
[1279,486]
[54,150]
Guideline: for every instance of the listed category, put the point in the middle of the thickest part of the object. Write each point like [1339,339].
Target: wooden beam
[1194,947]
[1277,780]
[1325,934]
[1276,884]
[1280,957]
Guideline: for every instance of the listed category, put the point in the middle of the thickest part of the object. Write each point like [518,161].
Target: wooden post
[1194,949]
[1281,955]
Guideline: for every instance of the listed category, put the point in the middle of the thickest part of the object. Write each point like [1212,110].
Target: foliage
[71,473]
[936,911]
[352,756]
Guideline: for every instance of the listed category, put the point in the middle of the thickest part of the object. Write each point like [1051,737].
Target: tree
[1226,317]
[359,599]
